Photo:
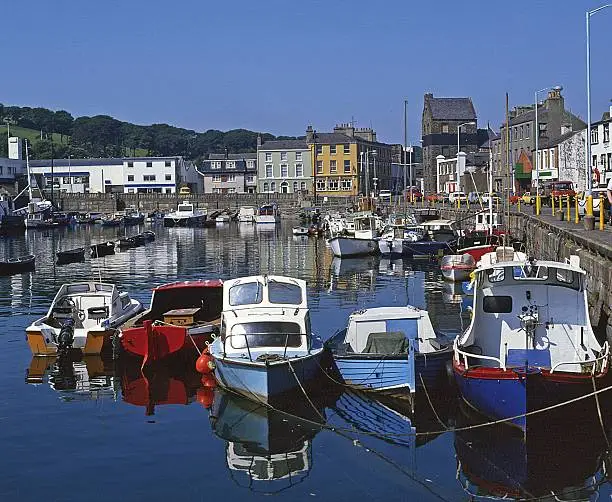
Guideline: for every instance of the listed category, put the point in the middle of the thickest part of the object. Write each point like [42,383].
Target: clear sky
[278,65]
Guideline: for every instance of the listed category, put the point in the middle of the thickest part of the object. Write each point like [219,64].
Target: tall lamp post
[458,147]
[375,178]
[537,139]
[589,179]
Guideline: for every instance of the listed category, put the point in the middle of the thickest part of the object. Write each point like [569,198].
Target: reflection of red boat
[183,315]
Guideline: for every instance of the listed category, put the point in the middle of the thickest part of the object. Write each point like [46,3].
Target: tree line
[105,136]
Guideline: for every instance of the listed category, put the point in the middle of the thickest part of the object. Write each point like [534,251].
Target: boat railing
[600,362]
[461,354]
[246,336]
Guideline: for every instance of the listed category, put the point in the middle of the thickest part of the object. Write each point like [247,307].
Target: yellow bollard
[518,203]
[567,200]
[589,206]
[538,204]
[552,204]
[601,211]
[560,203]
[576,215]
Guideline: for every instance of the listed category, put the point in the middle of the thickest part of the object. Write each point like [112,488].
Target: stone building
[230,173]
[284,166]
[442,120]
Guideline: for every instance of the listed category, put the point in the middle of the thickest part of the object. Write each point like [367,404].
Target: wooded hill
[58,134]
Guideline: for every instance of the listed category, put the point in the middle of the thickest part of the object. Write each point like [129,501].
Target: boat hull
[477,252]
[389,373]
[17,265]
[512,393]
[265,381]
[190,221]
[349,246]
[93,341]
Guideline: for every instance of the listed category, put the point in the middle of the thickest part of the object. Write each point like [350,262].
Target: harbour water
[98,429]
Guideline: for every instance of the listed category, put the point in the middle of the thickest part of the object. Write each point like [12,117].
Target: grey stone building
[230,173]
[284,166]
[441,120]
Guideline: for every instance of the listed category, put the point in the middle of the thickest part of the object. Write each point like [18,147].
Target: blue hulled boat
[530,343]
[266,347]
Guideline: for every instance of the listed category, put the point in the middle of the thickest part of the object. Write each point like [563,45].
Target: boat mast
[490,189]
[28,170]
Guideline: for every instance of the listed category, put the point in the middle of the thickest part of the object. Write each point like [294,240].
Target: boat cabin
[440,230]
[366,227]
[530,314]
[486,221]
[265,313]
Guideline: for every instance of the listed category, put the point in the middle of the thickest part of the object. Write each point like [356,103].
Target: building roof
[545,143]
[332,138]
[285,144]
[77,162]
[451,108]
[232,156]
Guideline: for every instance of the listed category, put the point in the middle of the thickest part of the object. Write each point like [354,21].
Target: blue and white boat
[266,347]
[530,343]
[393,350]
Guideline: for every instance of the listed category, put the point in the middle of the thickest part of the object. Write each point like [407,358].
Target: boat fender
[205,363]
[208,380]
[205,396]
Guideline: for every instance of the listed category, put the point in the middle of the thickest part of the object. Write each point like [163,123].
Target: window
[265,187]
[231,190]
[168,190]
[527,130]
[231,177]
[321,184]
[606,133]
[332,166]
[130,177]
[130,164]
[302,185]
[445,128]
[268,170]
[265,334]
[130,190]
[346,185]
[273,186]
[168,177]
[319,167]
[66,180]
[167,163]
[284,170]
[215,165]
[230,164]
[347,148]
[216,190]
[250,164]
[521,132]
[250,178]
[319,149]
[216,178]
[333,184]
[298,155]
[284,156]
[594,135]
[332,149]
[268,157]
[497,304]
[295,186]
[594,161]
[148,177]
[347,166]
[299,170]
[149,164]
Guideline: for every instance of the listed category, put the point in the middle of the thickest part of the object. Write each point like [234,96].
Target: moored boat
[362,243]
[102,249]
[182,316]
[268,214]
[246,214]
[17,265]
[457,267]
[82,316]
[71,255]
[266,348]
[185,216]
[530,344]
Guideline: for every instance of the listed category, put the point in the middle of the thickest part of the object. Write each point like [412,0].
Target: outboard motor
[65,338]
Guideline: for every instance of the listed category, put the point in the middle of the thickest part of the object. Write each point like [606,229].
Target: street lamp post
[589,179]
[537,139]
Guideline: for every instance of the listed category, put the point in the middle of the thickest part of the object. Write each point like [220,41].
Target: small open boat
[70,255]
[82,316]
[102,249]
[182,316]
[457,267]
[17,265]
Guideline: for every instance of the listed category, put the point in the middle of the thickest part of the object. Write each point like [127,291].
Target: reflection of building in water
[351,274]
[283,254]
[87,378]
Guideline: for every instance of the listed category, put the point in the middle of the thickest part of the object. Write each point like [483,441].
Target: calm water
[98,430]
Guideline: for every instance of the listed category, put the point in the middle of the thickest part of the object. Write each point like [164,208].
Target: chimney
[428,95]
[258,141]
[309,134]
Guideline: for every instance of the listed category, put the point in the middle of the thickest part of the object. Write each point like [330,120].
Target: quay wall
[547,241]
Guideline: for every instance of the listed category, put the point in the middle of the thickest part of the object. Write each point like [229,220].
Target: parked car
[557,189]
[435,197]
[416,194]
[454,196]
[596,192]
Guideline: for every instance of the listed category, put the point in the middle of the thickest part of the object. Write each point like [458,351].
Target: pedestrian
[609,194]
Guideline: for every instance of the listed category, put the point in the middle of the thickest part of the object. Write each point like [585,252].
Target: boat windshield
[185,207]
[247,293]
[283,292]
[265,334]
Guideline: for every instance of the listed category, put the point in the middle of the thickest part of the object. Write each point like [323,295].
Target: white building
[449,172]
[117,175]
[601,150]
[12,167]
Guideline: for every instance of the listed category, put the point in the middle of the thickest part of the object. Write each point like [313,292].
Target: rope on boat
[431,404]
[603,429]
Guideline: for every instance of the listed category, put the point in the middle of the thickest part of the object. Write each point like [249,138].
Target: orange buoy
[208,380]
[205,396]
[205,363]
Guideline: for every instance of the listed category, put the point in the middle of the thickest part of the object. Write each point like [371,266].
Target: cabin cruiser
[268,214]
[185,216]
[246,214]
[362,243]
[83,316]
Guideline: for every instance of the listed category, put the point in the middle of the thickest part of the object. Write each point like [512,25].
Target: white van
[454,196]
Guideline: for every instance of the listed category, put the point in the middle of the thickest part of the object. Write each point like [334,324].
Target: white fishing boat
[246,214]
[362,243]
[82,316]
[457,267]
[266,347]
[300,230]
[223,218]
[268,214]
[186,215]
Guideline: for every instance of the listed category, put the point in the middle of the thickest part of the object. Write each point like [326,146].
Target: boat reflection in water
[268,450]
[562,457]
[353,273]
[75,377]
[171,382]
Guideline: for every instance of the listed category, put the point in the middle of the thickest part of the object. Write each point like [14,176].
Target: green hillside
[31,134]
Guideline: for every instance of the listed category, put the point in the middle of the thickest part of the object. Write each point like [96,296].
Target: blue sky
[278,65]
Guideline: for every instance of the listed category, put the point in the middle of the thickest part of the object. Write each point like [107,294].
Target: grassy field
[31,134]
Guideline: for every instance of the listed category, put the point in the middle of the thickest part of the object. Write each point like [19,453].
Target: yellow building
[348,162]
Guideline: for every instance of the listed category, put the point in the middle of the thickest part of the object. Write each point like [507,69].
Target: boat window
[125,301]
[265,334]
[108,288]
[496,274]
[246,294]
[282,292]
[497,304]
[565,276]
[530,272]
[185,207]
[77,288]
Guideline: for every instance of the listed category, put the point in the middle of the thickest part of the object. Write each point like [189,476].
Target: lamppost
[375,178]
[361,171]
[537,138]
[589,179]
